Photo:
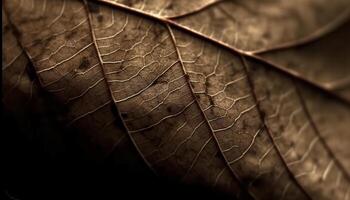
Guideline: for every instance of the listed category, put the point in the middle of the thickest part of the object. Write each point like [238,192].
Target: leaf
[321,62]
[254,25]
[258,27]
[213,103]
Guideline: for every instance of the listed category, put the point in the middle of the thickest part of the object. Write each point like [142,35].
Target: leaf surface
[209,108]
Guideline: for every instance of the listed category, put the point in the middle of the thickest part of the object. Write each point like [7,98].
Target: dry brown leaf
[236,95]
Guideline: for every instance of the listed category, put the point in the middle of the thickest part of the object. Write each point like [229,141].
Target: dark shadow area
[44,161]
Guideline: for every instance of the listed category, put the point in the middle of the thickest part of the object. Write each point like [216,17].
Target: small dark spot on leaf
[158,31]
[267,35]
[84,64]
[253,151]
[244,124]
[169,109]
[292,144]
[299,156]
[100,18]
[281,128]
[70,35]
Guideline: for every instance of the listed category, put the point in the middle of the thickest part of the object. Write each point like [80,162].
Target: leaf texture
[259,25]
[322,61]
[217,93]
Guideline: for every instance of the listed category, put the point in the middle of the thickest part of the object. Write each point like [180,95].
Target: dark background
[44,161]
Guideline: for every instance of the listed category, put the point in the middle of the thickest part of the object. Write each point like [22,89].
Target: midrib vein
[249,54]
